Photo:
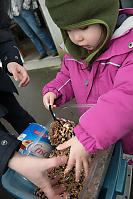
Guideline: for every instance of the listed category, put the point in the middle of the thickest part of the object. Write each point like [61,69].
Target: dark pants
[27,21]
[16,116]
[126,3]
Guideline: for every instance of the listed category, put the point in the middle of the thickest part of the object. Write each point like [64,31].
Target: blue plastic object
[35,142]
[18,186]
[114,181]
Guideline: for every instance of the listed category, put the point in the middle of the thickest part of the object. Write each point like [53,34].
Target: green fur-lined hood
[68,14]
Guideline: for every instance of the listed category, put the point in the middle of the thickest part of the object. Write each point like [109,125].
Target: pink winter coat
[110,87]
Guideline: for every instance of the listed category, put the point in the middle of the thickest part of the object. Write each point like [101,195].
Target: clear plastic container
[18,185]
[102,159]
[72,112]
[97,171]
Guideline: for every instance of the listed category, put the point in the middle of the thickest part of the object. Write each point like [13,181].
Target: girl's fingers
[46,102]
[46,105]
[70,164]
[51,101]
[48,99]
[53,106]
[63,146]
[86,167]
[78,169]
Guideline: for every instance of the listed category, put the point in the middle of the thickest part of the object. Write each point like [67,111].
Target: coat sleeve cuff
[54,90]
[10,55]
[8,146]
[87,141]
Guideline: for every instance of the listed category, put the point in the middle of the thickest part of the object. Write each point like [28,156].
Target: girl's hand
[48,99]
[35,169]
[78,157]
[19,73]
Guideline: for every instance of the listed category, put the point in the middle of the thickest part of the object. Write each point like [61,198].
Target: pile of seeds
[59,132]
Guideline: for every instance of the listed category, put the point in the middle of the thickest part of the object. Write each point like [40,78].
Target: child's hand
[48,99]
[78,156]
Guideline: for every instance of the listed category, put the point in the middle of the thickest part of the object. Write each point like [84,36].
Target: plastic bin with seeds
[59,132]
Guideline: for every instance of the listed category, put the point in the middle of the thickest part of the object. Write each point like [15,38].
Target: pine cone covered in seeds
[60,131]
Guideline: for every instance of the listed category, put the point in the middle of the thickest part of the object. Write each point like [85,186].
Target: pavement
[33,64]
[31,55]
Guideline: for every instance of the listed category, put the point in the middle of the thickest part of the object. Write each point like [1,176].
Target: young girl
[98,70]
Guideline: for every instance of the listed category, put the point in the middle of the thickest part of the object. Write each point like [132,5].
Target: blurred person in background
[24,16]
[126,4]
